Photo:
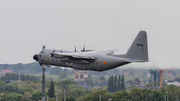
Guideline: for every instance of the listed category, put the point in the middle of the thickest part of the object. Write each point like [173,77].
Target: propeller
[53,50]
[83,48]
[43,47]
[61,49]
[40,63]
[75,49]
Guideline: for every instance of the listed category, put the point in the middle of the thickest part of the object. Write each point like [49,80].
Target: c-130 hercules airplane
[95,60]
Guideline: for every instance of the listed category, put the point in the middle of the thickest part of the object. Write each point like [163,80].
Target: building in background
[80,78]
[7,71]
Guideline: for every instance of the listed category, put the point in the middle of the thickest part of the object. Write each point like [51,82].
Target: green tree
[90,80]
[159,96]
[172,86]
[15,76]
[135,94]
[119,83]
[115,84]
[112,84]
[123,84]
[56,70]
[65,84]
[27,95]
[51,90]
[36,96]
[11,88]
[102,78]
[65,70]
[24,99]
[13,96]
[18,67]
[2,83]
[109,85]
[62,75]
[70,99]
[94,96]
[51,99]
[147,95]
[121,96]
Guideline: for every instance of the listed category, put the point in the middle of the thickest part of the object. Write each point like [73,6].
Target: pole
[64,95]
[47,98]
[177,98]
[99,97]
[167,96]
[43,82]
[19,78]
[56,96]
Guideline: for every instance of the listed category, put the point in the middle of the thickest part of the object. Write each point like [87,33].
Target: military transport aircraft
[95,60]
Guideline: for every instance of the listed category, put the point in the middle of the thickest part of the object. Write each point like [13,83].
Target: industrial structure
[161,78]
[156,75]
[80,78]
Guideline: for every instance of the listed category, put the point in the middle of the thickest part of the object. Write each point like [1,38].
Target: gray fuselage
[96,60]
[103,62]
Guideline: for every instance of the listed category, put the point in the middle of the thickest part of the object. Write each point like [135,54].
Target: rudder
[139,49]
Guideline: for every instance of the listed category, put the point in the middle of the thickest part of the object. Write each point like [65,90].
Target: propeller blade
[43,47]
[61,49]
[54,50]
[83,48]
[40,63]
[75,49]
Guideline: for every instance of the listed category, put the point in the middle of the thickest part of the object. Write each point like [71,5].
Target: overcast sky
[27,25]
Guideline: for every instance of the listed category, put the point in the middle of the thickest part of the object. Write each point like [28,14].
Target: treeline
[59,70]
[11,88]
[30,68]
[29,90]
[116,83]
[14,76]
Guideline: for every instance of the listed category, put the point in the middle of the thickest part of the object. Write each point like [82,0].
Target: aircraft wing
[108,51]
[81,57]
[78,55]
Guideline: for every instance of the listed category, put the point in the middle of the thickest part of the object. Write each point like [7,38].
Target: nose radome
[35,57]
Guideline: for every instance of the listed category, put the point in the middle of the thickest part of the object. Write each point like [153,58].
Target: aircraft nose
[35,57]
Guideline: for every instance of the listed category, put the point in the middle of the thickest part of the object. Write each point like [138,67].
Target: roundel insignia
[105,63]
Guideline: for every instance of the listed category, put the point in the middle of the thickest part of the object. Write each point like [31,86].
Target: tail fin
[138,52]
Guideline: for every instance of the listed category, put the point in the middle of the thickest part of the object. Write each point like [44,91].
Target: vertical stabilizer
[139,49]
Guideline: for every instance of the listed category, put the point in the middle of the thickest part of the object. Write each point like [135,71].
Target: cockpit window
[42,51]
